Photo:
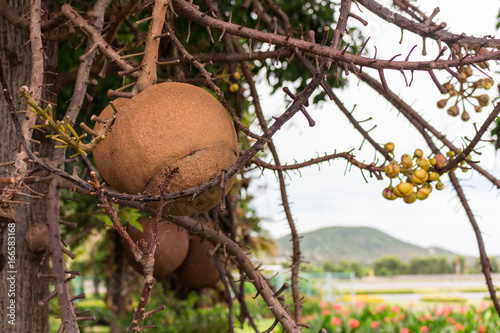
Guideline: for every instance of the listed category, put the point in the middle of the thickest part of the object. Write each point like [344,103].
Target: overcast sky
[329,198]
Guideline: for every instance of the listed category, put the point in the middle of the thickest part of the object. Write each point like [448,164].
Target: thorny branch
[192,13]
[485,263]
[147,75]
[287,46]
[377,170]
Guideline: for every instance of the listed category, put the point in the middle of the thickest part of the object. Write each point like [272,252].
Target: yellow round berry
[389,147]
[423,193]
[388,193]
[423,163]
[439,186]
[418,153]
[411,198]
[392,170]
[406,161]
[434,176]
[403,189]
[234,87]
[420,176]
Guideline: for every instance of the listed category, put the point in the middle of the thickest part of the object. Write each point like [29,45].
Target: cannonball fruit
[168,125]
[198,269]
[172,248]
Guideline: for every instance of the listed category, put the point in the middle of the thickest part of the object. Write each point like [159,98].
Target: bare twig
[148,72]
[485,264]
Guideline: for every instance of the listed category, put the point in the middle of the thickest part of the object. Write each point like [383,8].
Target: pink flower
[424,329]
[450,320]
[481,329]
[461,310]
[459,327]
[381,307]
[395,308]
[323,304]
[325,312]
[352,323]
[336,321]
[338,307]
[404,330]
[427,316]
[374,324]
[483,306]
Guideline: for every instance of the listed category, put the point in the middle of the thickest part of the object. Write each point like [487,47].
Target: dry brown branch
[485,264]
[148,70]
[314,161]
[82,78]
[148,262]
[64,298]
[472,144]
[227,290]
[246,265]
[96,38]
[426,30]
[192,13]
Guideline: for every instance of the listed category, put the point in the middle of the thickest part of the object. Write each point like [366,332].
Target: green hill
[355,243]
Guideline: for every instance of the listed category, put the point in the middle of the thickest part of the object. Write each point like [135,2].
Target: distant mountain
[355,243]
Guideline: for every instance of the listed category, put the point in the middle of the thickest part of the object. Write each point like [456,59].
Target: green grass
[416,291]
[263,324]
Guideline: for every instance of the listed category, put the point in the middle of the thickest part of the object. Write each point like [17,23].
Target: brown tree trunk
[20,289]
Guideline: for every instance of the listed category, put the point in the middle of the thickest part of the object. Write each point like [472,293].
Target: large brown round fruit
[172,248]
[174,125]
[198,269]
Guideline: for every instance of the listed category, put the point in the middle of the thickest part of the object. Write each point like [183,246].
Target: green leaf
[125,214]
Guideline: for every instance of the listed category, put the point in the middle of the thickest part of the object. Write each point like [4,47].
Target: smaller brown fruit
[440,161]
[37,237]
[198,269]
[172,248]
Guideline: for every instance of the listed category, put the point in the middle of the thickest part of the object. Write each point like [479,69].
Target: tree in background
[429,265]
[389,265]
[305,48]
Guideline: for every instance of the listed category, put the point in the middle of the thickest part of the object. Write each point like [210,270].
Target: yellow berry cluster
[229,78]
[466,90]
[418,171]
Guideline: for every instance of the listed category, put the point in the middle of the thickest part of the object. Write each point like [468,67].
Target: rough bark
[29,316]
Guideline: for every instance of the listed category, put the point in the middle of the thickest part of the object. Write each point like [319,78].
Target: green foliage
[345,266]
[429,265]
[196,314]
[389,265]
[125,215]
[493,264]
